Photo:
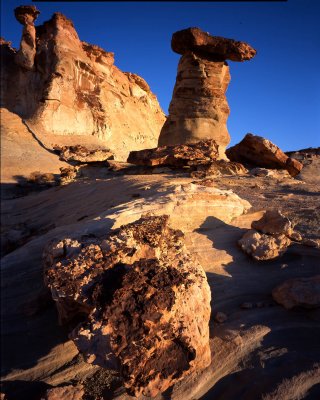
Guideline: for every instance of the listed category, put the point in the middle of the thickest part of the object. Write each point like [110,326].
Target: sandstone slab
[197,41]
[273,222]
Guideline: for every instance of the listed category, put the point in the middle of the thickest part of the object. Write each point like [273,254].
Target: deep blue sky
[275,95]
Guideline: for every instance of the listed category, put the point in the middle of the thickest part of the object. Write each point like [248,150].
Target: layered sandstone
[258,151]
[147,300]
[71,91]
[199,108]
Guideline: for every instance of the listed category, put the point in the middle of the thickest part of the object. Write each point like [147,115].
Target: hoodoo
[199,108]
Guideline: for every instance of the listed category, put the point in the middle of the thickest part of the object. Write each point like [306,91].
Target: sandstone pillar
[26,15]
[199,108]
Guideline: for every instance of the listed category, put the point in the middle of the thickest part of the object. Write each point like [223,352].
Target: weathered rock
[220,317]
[199,109]
[81,154]
[311,242]
[298,292]
[67,392]
[218,168]
[270,173]
[256,150]
[26,15]
[147,302]
[273,222]
[196,41]
[68,175]
[263,247]
[72,93]
[201,152]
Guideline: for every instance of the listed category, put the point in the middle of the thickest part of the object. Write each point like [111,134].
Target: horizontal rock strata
[146,302]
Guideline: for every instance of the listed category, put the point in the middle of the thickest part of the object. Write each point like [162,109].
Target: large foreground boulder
[144,302]
[199,109]
[261,152]
[298,292]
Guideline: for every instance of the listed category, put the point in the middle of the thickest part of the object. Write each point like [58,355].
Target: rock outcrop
[200,158]
[199,109]
[146,299]
[71,91]
[298,292]
[81,154]
[261,152]
[202,152]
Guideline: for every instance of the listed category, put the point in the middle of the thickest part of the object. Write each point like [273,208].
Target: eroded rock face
[199,109]
[81,154]
[298,292]
[197,41]
[261,152]
[71,90]
[262,246]
[27,15]
[146,301]
[202,152]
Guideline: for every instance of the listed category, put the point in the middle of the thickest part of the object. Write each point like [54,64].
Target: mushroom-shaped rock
[199,109]
[220,48]
[147,302]
[26,15]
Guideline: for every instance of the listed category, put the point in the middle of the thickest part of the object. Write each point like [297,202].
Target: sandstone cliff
[69,90]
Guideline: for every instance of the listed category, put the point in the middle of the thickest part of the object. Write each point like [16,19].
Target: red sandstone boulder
[273,222]
[195,40]
[261,152]
[145,303]
[298,292]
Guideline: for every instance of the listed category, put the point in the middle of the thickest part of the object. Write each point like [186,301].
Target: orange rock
[261,152]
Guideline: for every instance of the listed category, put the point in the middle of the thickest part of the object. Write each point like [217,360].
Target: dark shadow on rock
[24,390]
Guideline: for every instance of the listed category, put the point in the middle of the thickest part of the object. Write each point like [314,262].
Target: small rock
[273,222]
[246,306]
[263,247]
[296,236]
[298,292]
[311,243]
[220,317]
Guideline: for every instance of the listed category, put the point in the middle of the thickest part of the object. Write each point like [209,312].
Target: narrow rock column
[26,15]
[199,108]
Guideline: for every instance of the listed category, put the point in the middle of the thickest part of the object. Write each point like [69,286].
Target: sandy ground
[258,353]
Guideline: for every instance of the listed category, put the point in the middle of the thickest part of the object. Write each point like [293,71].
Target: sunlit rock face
[199,109]
[68,87]
[147,300]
